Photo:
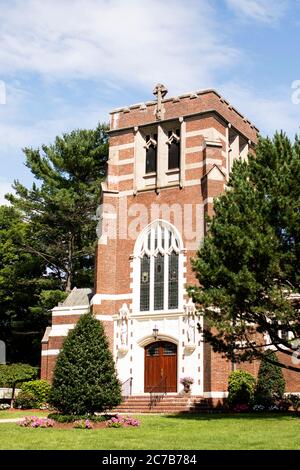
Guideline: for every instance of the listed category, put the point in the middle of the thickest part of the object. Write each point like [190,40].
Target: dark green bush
[85,379]
[270,381]
[25,400]
[283,404]
[40,389]
[240,388]
[59,418]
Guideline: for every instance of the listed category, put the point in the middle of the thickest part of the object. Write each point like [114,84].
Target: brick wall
[207,118]
[205,102]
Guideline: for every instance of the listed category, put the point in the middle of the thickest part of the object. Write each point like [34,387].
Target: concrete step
[173,400]
[148,403]
[157,405]
[177,399]
[165,405]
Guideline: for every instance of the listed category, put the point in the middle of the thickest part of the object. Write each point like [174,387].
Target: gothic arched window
[174,149]
[151,153]
[159,263]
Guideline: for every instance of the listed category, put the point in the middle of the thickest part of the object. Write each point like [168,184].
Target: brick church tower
[168,159]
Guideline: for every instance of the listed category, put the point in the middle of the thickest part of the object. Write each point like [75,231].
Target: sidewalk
[11,420]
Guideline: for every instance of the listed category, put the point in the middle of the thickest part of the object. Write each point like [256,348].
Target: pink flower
[36,422]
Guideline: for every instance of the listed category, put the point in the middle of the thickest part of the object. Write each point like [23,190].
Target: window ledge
[159,312]
[150,175]
[174,171]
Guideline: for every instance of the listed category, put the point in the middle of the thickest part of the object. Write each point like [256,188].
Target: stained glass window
[145,283]
[159,268]
[151,154]
[173,280]
[159,282]
[174,150]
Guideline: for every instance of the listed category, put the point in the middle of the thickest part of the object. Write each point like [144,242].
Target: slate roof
[78,297]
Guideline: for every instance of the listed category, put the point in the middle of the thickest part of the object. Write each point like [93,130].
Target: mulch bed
[100,425]
[32,410]
[14,411]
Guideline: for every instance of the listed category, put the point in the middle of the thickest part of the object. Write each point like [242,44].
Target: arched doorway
[161,367]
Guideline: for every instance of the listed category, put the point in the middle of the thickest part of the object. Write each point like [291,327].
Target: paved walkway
[11,420]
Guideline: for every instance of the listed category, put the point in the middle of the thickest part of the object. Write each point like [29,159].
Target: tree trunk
[68,284]
[70,263]
[13,395]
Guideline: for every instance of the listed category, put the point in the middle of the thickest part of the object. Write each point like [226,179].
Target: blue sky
[65,63]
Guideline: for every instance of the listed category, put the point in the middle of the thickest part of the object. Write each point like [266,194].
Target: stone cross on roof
[160,91]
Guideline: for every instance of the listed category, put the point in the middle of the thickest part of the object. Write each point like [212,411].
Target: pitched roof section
[46,334]
[78,297]
[215,173]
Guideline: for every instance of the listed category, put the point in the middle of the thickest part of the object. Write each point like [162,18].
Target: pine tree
[270,381]
[85,379]
[22,286]
[60,207]
[248,266]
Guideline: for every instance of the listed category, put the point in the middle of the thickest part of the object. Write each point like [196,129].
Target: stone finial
[160,91]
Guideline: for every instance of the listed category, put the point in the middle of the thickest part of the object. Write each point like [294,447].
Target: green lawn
[4,414]
[167,432]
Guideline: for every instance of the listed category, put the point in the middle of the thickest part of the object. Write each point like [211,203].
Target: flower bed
[122,422]
[83,424]
[36,422]
[115,422]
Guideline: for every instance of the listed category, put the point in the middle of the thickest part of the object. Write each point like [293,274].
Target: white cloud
[17,135]
[266,11]
[122,44]
[118,44]
[18,129]
[268,113]
[132,42]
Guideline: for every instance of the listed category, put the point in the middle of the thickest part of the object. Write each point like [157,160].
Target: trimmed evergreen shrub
[85,379]
[270,381]
[40,389]
[14,374]
[241,387]
[11,375]
[25,400]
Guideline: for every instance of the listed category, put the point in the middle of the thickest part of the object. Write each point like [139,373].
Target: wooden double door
[161,367]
